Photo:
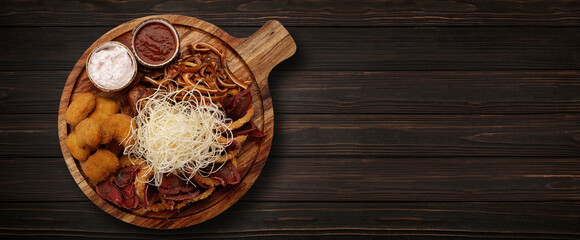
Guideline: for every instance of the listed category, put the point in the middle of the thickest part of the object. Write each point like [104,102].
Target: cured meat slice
[126,175]
[170,204]
[237,105]
[204,182]
[234,145]
[131,202]
[172,184]
[136,93]
[128,191]
[227,174]
[111,192]
[250,129]
[151,195]
[201,196]
[181,196]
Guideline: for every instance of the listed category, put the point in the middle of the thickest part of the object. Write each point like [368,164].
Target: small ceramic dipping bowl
[111,66]
[155,43]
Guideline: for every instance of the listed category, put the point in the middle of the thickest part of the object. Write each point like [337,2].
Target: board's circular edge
[171,223]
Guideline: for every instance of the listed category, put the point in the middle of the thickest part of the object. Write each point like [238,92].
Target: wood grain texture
[300,13]
[360,179]
[364,135]
[377,92]
[330,220]
[369,135]
[426,92]
[245,61]
[428,135]
[452,119]
[340,49]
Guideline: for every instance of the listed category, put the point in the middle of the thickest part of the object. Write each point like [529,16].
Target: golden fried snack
[80,107]
[118,127]
[201,196]
[206,180]
[115,147]
[104,108]
[125,161]
[77,152]
[227,156]
[231,154]
[100,165]
[243,120]
[141,181]
[159,206]
[88,133]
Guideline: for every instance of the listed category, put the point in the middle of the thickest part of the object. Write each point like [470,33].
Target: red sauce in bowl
[155,43]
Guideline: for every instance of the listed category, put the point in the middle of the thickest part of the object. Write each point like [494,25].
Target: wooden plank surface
[360,179]
[548,135]
[376,92]
[282,220]
[361,49]
[301,13]
[395,119]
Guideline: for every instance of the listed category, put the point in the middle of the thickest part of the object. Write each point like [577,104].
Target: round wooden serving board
[249,58]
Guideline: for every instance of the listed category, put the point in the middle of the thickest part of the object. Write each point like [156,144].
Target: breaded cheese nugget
[80,107]
[118,127]
[88,133]
[104,108]
[100,165]
[115,147]
[125,161]
[77,152]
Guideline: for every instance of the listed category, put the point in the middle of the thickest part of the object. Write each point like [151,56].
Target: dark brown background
[404,119]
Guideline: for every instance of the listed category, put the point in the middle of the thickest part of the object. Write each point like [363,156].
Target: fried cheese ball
[104,108]
[115,147]
[117,127]
[100,165]
[125,161]
[77,152]
[80,107]
[88,133]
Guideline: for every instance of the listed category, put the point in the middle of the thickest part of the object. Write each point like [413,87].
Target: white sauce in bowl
[111,66]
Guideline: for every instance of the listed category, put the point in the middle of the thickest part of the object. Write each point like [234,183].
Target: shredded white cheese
[178,136]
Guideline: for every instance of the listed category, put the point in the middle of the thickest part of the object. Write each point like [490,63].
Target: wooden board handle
[264,49]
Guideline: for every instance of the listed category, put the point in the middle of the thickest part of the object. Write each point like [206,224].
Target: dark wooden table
[403,119]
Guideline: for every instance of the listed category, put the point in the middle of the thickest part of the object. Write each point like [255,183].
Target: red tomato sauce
[155,43]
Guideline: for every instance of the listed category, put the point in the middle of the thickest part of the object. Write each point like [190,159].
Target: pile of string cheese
[179,137]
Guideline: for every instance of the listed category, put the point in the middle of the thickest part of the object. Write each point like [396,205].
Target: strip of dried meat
[227,174]
[111,192]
